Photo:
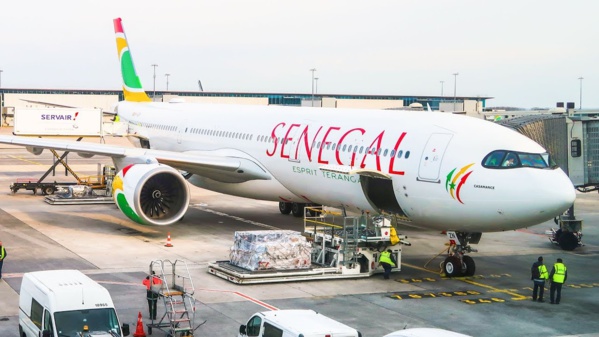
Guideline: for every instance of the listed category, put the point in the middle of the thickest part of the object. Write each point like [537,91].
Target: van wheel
[21,333]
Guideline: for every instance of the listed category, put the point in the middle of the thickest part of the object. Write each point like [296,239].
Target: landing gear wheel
[297,209]
[285,207]
[470,266]
[452,266]
[568,241]
[48,190]
[557,235]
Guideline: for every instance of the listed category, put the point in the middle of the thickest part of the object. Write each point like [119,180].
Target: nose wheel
[458,263]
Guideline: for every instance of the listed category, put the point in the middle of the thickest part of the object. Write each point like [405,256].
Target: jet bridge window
[503,159]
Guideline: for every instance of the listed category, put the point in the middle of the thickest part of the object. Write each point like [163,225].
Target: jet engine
[151,194]
[35,150]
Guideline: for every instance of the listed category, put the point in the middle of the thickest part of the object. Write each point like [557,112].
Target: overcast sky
[525,53]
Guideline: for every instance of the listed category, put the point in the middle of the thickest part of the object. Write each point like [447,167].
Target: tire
[568,241]
[452,266]
[150,328]
[297,209]
[557,235]
[470,265]
[48,190]
[285,207]
[21,333]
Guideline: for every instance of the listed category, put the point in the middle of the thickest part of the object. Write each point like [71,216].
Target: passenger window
[272,331]
[253,327]
[36,313]
[407,154]
[399,153]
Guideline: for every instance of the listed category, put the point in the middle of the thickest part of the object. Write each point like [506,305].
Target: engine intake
[151,194]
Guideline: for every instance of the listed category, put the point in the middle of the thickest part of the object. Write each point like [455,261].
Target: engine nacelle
[151,194]
[35,150]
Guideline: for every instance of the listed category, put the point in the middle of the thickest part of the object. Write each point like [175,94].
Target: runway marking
[430,279]
[249,298]
[411,295]
[25,160]
[259,224]
[515,296]
[483,300]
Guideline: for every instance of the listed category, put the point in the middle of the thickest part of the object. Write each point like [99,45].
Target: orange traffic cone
[168,240]
[139,331]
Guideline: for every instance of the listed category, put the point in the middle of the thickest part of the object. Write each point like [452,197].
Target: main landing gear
[295,208]
[457,263]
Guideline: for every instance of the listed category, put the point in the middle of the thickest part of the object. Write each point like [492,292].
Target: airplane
[438,171]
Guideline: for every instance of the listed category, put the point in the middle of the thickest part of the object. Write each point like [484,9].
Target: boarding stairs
[176,291]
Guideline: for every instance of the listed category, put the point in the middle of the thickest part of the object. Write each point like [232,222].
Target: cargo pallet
[342,248]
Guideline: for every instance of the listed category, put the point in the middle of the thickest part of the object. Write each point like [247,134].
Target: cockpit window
[510,159]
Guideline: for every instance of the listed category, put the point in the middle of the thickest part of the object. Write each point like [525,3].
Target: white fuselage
[319,155]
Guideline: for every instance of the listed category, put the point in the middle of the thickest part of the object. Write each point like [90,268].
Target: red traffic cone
[168,240]
[139,331]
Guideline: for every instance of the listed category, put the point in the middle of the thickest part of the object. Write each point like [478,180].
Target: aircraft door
[432,156]
[181,131]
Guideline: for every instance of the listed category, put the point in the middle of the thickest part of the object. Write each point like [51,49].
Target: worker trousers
[556,287]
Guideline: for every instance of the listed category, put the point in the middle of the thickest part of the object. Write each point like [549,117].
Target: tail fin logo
[453,186]
[132,88]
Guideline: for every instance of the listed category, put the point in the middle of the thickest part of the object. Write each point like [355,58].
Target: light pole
[167,75]
[442,87]
[316,85]
[313,70]
[1,77]
[154,95]
[579,104]
[455,83]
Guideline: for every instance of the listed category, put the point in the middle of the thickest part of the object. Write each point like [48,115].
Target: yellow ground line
[516,296]
[25,160]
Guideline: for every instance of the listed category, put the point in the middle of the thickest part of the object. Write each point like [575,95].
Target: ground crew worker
[2,257]
[387,261]
[539,275]
[558,276]
[152,296]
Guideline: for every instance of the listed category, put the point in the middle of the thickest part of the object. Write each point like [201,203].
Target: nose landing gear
[458,263]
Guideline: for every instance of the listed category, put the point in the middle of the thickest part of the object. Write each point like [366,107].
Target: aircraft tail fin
[132,89]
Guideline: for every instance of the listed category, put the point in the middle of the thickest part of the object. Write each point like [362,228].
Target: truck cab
[293,323]
[66,303]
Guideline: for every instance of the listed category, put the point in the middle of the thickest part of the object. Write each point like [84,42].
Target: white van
[66,303]
[293,323]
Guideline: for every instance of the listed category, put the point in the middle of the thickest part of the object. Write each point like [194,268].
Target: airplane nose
[560,193]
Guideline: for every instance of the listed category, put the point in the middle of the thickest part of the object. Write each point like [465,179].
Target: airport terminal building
[11,98]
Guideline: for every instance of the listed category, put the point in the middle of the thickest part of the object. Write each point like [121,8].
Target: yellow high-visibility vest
[560,273]
[543,274]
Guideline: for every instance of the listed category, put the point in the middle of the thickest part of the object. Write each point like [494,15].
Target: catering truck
[66,303]
[293,323]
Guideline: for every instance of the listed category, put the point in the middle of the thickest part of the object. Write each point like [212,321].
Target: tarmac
[105,245]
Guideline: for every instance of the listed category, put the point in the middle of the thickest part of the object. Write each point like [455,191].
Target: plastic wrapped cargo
[268,250]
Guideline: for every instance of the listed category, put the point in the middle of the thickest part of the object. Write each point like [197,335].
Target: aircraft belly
[270,190]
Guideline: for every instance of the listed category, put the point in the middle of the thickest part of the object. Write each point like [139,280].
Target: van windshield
[77,322]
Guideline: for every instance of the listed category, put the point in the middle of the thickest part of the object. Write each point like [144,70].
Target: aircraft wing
[220,168]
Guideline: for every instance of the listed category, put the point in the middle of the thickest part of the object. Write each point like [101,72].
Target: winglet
[132,88]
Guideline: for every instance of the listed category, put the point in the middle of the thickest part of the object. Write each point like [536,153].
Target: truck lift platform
[342,248]
[70,192]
